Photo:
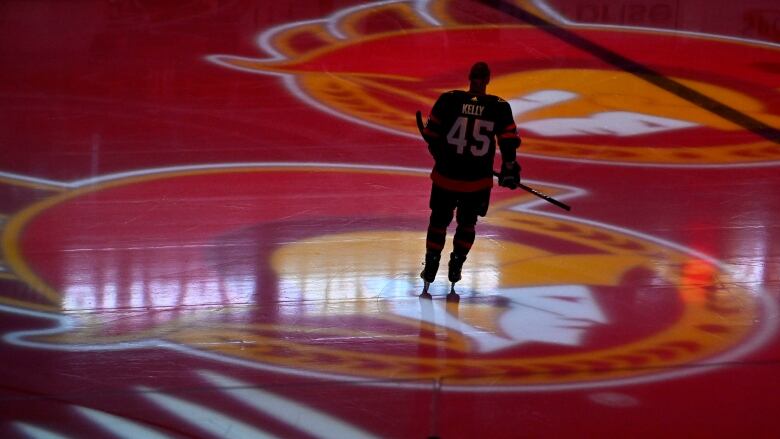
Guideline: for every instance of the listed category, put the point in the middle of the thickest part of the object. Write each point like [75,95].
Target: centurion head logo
[330,289]
[377,64]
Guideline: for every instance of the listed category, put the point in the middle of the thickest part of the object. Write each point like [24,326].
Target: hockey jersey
[462,130]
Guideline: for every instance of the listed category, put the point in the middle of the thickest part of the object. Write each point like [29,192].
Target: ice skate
[455,267]
[428,273]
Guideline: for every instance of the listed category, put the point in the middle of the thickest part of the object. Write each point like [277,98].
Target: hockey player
[461,134]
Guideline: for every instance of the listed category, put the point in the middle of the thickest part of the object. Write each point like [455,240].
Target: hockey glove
[510,175]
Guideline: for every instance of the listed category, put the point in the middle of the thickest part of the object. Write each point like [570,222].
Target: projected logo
[326,285]
[375,65]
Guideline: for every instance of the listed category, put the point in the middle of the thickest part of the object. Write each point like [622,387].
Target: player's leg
[442,206]
[470,207]
[465,234]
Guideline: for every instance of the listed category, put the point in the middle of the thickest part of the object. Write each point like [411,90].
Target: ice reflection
[127,280]
[347,273]
[751,255]
[344,274]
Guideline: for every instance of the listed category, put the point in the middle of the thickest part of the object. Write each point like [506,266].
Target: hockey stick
[533,191]
[420,125]
[541,195]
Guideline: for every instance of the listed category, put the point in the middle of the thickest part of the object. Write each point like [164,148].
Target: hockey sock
[435,239]
[464,239]
[437,230]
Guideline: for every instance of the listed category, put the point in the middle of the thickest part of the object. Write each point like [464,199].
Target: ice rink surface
[213,219]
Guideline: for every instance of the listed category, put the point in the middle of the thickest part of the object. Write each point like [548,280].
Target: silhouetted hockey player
[461,134]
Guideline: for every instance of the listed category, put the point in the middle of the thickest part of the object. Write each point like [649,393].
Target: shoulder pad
[452,94]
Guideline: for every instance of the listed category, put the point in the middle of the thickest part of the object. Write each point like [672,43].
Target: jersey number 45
[480,133]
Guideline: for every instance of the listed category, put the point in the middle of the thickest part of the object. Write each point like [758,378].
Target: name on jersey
[474,110]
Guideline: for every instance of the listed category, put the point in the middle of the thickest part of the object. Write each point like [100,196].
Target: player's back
[467,124]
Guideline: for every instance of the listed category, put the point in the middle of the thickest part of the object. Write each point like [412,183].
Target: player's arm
[434,129]
[506,134]
[508,142]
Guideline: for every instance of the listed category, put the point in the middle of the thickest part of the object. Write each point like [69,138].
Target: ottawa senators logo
[277,281]
[568,103]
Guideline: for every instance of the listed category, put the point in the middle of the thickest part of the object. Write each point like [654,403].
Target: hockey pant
[465,207]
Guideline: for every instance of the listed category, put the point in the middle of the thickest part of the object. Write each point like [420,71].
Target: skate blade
[425,294]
